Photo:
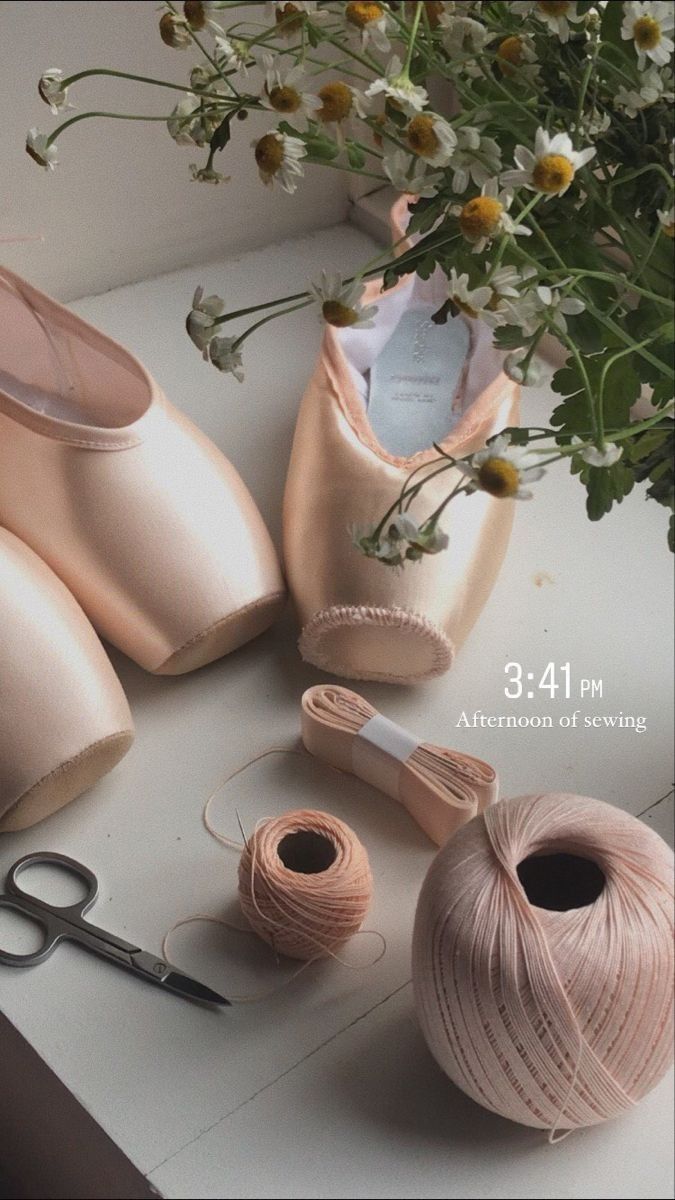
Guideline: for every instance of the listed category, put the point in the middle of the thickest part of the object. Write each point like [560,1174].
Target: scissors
[66,923]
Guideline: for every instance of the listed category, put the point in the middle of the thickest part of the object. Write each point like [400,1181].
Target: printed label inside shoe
[415,380]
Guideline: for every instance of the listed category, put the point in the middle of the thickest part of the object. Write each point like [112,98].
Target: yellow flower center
[499,477]
[480,217]
[554,8]
[646,33]
[269,154]
[422,137]
[336,101]
[510,55]
[465,308]
[336,313]
[169,30]
[290,16]
[194,14]
[432,8]
[669,230]
[284,99]
[379,123]
[363,14]
[553,173]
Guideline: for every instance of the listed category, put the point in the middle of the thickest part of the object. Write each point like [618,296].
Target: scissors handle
[51,858]
[57,921]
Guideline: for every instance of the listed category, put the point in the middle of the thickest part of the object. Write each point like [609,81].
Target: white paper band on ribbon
[378,750]
[442,789]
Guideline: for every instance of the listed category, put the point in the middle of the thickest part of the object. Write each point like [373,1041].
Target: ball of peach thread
[305,883]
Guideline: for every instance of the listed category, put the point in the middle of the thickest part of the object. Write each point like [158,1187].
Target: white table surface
[327,1089]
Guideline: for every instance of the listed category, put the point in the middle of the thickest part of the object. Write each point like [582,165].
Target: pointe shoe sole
[355,642]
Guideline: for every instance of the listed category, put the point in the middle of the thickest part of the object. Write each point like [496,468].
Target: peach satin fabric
[142,517]
[64,719]
[441,789]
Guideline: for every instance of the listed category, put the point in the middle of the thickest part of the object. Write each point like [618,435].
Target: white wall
[121,206]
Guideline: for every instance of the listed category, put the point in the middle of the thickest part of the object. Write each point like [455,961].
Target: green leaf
[222,134]
[508,337]
[599,499]
[355,156]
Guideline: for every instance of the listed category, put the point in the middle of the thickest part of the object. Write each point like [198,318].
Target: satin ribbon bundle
[441,789]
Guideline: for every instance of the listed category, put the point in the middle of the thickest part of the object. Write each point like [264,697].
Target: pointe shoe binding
[378,400]
[64,719]
[142,517]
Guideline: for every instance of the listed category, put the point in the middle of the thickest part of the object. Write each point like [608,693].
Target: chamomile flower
[43,154]
[180,122]
[654,85]
[486,216]
[476,159]
[431,138]
[472,302]
[371,23]
[555,14]
[610,454]
[174,31]
[402,539]
[278,157]
[398,86]
[193,122]
[198,14]
[231,54]
[463,37]
[506,284]
[291,16]
[340,101]
[52,90]
[501,470]
[200,323]
[558,306]
[224,355]
[406,175]
[283,90]
[552,167]
[517,58]
[647,25]
[340,302]
[667,221]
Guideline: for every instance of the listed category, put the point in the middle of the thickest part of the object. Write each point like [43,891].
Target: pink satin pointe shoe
[64,719]
[378,400]
[142,517]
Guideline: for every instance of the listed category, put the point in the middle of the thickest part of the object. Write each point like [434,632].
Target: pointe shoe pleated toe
[64,719]
[378,401]
[142,517]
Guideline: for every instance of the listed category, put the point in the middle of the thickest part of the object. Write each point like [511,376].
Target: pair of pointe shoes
[118,516]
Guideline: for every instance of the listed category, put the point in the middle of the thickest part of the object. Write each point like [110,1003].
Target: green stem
[209,58]
[112,116]
[660,170]
[176,87]
[270,317]
[412,38]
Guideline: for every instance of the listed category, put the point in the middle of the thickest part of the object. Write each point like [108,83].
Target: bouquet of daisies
[542,185]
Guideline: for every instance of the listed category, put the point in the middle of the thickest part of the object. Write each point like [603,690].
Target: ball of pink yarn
[543,960]
[305,883]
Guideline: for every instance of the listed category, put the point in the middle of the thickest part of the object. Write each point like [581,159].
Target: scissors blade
[161,972]
[183,985]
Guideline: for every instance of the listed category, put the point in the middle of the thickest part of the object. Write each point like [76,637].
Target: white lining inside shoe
[416,379]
